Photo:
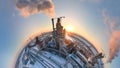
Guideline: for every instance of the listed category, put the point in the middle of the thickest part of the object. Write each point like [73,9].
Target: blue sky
[85,15]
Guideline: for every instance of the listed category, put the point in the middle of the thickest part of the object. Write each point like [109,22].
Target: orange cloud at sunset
[113,30]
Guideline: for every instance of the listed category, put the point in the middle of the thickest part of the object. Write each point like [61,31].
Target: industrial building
[59,49]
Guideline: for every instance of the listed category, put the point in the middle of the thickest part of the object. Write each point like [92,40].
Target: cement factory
[59,49]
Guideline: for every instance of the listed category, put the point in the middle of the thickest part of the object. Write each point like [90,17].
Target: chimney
[53,24]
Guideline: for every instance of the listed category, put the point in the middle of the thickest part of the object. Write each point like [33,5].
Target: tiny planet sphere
[59,49]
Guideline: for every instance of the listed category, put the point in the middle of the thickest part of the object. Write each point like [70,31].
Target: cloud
[113,28]
[30,7]
[104,13]
[114,45]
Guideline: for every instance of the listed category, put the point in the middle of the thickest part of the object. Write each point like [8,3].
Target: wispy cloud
[29,7]
[105,15]
[113,28]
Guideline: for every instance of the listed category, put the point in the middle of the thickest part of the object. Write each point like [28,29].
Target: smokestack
[59,19]
[53,24]
[30,7]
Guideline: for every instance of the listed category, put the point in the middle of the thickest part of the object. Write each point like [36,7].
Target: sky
[90,18]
